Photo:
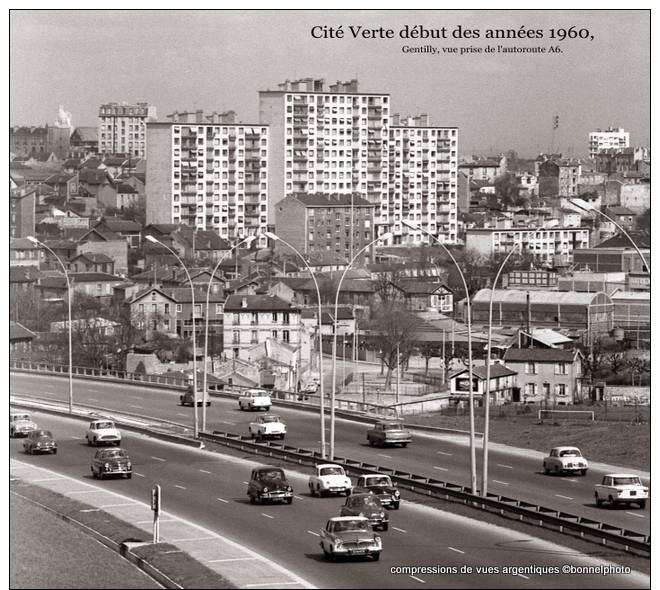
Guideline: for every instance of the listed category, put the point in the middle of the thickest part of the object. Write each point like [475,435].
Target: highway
[440,456]
[208,489]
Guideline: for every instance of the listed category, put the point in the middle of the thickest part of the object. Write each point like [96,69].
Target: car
[255,399]
[21,424]
[108,462]
[621,488]
[565,460]
[267,426]
[381,486]
[389,432]
[369,506]
[40,441]
[188,398]
[103,432]
[267,484]
[329,478]
[310,388]
[348,536]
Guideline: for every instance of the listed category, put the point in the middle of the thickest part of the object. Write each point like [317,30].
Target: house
[100,240]
[65,185]
[502,384]
[21,280]
[91,180]
[118,195]
[130,230]
[346,321]
[64,249]
[92,262]
[23,252]
[549,376]
[154,310]
[94,284]
[20,338]
[22,213]
[101,326]
[251,319]
[199,244]
[423,295]
[84,142]
[484,169]
[115,165]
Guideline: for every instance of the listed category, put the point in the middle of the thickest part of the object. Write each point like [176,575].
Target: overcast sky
[219,60]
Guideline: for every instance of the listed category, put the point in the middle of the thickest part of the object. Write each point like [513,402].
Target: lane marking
[185,539]
[523,576]
[457,550]
[418,579]
[92,399]
[83,492]
[313,533]
[271,584]
[231,559]
[443,453]
[505,466]
[572,480]
[46,479]
[440,468]
[91,510]
[117,505]
[158,458]
[298,498]
[138,474]
[398,529]
[176,485]
[138,407]
[223,500]
[386,456]
[246,483]
[500,482]
[565,497]
[267,515]
[204,471]
[181,414]
[637,515]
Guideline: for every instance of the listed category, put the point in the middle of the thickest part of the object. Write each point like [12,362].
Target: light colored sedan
[565,460]
[349,536]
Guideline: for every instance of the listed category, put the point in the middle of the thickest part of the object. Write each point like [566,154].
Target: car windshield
[17,417]
[393,426]
[100,425]
[271,475]
[332,471]
[271,418]
[570,453]
[113,454]
[42,434]
[342,526]
[369,502]
[379,481]
[627,481]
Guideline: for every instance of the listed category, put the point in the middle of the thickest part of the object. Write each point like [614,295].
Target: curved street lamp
[248,240]
[192,293]
[276,238]
[473,458]
[68,287]
[484,479]
[385,236]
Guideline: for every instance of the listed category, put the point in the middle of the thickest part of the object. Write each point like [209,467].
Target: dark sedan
[107,462]
[369,506]
[40,441]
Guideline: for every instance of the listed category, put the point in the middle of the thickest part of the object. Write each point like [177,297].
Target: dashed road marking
[565,497]
[454,549]
[45,479]
[246,483]
[523,576]
[91,510]
[386,456]
[571,480]
[117,505]
[138,474]
[440,468]
[158,458]
[299,498]
[181,414]
[267,515]
[505,466]
[418,579]
[504,483]
[231,559]
[204,471]
[443,453]
[176,485]
[222,500]
[92,399]
[637,515]
[400,530]
[276,584]
[82,492]
[138,407]
[313,533]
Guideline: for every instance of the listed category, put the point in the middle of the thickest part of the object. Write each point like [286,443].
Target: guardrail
[564,522]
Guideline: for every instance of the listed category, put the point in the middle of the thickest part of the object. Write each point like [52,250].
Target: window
[154,308]
[530,368]
[253,337]
[198,309]
[218,308]
[167,309]
[561,368]
[274,334]
[285,335]
[274,317]
[236,337]
[179,308]
[285,318]
[560,389]
[141,308]
[530,389]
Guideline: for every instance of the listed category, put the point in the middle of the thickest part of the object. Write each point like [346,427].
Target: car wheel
[289,500]
[325,551]
[599,502]
[642,504]
[556,470]
[348,493]
[376,556]
[546,470]
[395,505]
[94,473]
[89,442]
[404,445]
[583,472]
[253,500]
[129,475]
[385,526]
[101,475]
[54,451]
[371,442]
[311,488]
[612,502]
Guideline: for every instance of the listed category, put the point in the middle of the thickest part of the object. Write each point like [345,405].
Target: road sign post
[155,506]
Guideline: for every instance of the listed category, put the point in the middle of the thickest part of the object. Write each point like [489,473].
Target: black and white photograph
[329,298]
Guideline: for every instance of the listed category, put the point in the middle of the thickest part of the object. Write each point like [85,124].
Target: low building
[22,212]
[632,312]
[22,252]
[424,295]
[90,262]
[549,376]
[501,384]
[20,338]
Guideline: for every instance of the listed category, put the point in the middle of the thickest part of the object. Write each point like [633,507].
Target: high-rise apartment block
[340,141]
[208,172]
[123,128]
[612,137]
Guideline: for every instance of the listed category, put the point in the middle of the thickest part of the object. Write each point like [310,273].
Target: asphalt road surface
[444,457]
[209,489]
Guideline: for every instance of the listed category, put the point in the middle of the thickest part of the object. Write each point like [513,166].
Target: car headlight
[106,466]
[397,493]
[378,541]
[381,515]
[265,490]
[128,465]
[38,445]
[289,489]
[338,544]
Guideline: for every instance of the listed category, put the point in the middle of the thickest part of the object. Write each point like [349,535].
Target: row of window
[254,318]
[531,389]
[178,308]
[531,368]
[254,336]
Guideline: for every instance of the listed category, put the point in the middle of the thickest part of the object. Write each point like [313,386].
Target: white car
[21,424]
[621,488]
[565,460]
[329,479]
[103,432]
[350,537]
[255,399]
[267,426]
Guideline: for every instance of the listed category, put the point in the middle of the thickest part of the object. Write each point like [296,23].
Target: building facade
[603,139]
[122,128]
[22,213]
[559,178]
[550,244]
[209,173]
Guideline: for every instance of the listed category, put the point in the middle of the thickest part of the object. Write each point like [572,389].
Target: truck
[389,432]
